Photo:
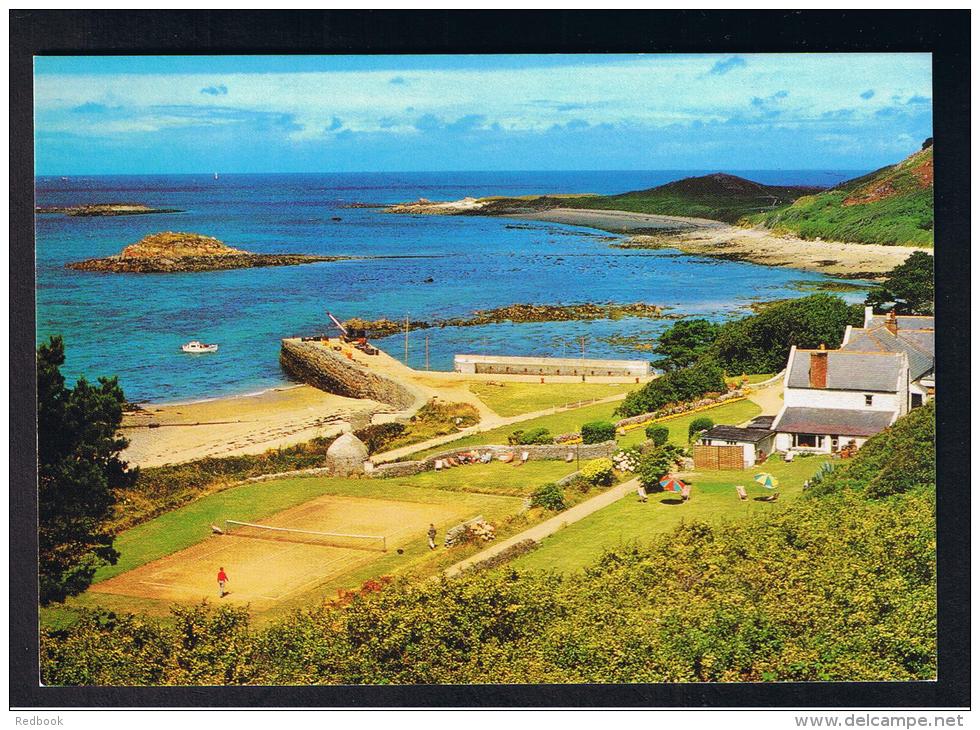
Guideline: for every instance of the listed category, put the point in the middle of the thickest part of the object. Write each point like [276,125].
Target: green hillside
[838,585]
[718,197]
[892,206]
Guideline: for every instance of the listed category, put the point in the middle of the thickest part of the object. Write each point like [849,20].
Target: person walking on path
[222,579]
[432,536]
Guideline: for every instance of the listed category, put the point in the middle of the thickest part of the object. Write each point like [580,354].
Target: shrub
[656,464]
[678,386]
[534,436]
[550,496]
[598,431]
[701,423]
[657,433]
[626,460]
[378,435]
[598,472]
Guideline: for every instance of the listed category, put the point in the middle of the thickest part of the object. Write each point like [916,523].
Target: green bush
[656,464]
[598,431]
[677,386]
[534,436]
[598,472]
[701,423]
[377,436]
[550,496]
[761,343]
[657,433]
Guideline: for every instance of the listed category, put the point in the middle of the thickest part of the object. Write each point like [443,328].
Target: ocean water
[132,325]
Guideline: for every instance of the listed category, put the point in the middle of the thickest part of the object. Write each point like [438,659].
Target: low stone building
[346,456]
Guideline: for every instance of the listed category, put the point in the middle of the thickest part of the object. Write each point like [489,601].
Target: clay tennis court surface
[264,570]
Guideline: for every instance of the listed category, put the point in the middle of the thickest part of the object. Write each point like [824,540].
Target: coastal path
[550,526]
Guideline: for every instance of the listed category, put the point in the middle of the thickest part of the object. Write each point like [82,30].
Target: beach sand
[250,424]
[756,245]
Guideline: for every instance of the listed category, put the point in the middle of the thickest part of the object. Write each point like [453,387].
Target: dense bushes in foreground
[836,586]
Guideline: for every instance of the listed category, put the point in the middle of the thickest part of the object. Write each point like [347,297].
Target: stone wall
[399,469]
[535,452]
[315,365]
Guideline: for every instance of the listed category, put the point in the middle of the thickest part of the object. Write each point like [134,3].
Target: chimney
[869,314]
[891,323]
[818,368]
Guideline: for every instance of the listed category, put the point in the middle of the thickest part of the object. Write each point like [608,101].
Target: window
[868,399]
[805,440]
[916,400]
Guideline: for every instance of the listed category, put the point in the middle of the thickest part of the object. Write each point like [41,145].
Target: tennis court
[266,566]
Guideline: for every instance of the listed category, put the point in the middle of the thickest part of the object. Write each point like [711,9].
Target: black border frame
[945,34]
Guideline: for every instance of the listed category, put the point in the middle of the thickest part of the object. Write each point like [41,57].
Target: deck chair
[569,457]
[438,465]
[742,495]
[686,492]
[525,456]
[771,497]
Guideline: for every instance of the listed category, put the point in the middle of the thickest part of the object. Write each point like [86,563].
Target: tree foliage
[761,343]
[910,287]
[78,469]
[678,386]
[684,342]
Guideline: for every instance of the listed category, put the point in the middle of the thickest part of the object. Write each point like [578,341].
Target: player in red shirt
[222,579]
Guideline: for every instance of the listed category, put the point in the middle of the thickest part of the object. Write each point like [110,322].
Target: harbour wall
[314,364]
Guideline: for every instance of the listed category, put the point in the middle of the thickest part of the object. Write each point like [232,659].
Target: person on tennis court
[222,579]
[432,536]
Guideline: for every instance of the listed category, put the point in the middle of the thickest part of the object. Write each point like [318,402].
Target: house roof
[851,370]
[833,421]
[761,422]
[919,345]
[734,433]
[905,322]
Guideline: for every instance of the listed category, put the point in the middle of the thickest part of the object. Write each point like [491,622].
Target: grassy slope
[713,499]
[511,398]
[718,197]
[899,208]
[730,414]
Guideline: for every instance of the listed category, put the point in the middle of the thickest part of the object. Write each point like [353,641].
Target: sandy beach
[756,245]
[248,424]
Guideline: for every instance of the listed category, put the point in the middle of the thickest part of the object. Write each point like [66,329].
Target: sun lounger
[438,465]
[771,497]
[686,492]
[506,458]
[569,457]
[525,456]
[742,495]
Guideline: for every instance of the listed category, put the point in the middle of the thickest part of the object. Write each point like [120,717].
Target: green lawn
[752,379]
[512,398]
[564,422]
[729,414]
[713,498]
[493,478]
[251,502]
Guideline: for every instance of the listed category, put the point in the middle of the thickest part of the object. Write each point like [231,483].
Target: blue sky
[174,114]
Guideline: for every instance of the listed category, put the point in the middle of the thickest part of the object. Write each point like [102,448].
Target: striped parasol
[767,480]
[671,483]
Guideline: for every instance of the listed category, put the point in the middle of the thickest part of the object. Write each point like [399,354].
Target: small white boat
[195,347]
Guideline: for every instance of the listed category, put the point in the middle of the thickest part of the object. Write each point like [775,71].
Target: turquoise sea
[132,325]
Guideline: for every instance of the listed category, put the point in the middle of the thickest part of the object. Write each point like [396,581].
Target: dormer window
[868,399]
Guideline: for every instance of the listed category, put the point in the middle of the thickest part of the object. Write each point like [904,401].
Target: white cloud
[647,91]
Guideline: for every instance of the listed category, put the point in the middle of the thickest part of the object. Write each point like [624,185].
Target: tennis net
[236,528]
